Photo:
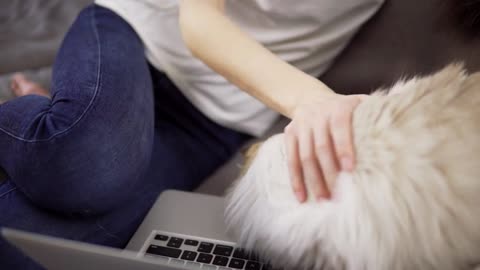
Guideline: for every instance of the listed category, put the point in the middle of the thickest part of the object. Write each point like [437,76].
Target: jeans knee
[86,176]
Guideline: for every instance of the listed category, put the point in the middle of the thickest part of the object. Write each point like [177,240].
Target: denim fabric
[88,163]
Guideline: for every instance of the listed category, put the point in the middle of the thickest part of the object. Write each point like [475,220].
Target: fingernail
[300,196]
[323,197]
[346,164]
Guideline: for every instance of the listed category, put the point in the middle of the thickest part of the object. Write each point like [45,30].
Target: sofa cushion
[31,31]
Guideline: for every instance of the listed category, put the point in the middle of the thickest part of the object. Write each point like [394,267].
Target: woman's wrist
[316,96]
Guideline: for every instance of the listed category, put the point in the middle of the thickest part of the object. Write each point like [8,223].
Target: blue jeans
[88,163]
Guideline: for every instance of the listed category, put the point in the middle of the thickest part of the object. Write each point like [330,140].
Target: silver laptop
[182,231]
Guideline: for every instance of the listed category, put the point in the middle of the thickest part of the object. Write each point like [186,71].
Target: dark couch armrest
[405,38]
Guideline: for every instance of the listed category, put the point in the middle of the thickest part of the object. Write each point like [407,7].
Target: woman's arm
[319,138]
[225,48]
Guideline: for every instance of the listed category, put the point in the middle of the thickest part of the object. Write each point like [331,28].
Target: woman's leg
[187,148]
[82,150]
[76,160]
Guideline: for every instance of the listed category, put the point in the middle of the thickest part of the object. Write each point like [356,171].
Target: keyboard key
[223,250]
[175,242]
[164,251]
[192,265]
[177,262]
[158,258]
[205,247]
[161,237]
[220,261]
[191,242]
[252,266]
[189,255]
[240,253]
[236,263]
[204,258]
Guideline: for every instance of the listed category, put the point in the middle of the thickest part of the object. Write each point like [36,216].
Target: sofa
[405,38]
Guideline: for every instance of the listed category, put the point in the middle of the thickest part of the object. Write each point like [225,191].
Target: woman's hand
[319,143]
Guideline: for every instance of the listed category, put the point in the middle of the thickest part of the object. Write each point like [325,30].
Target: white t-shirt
[308,34]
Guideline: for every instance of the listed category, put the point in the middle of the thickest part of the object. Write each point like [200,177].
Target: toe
[19,79]
[17,84]
[21,86]
[13,83]
[18,76]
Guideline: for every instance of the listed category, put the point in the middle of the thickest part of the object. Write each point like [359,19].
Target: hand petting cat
[319,144]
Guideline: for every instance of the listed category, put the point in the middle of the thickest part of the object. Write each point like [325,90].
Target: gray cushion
[31,31]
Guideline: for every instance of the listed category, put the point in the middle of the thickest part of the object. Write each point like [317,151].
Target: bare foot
[21,86]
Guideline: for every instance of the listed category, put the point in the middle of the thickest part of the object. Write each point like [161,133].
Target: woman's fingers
[305,170]
[294,166]
[341,132]
[312,172]
[325,154]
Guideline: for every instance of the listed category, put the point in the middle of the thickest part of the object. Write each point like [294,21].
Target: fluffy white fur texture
[413,201]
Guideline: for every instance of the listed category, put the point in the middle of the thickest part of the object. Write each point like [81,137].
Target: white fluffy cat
[412,203]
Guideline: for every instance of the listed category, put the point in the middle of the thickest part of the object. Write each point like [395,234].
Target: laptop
[181,231]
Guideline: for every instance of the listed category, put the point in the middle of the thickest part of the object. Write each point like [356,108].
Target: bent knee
[85,194]
[85,179]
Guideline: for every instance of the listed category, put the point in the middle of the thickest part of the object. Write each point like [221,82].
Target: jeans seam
[95,94]
[8,191]
[106,231]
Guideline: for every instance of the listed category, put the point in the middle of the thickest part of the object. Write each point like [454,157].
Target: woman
[132,112]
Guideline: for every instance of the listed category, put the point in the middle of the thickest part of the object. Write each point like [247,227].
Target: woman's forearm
[214,39]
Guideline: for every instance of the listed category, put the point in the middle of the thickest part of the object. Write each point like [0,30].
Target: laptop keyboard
[198,253]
